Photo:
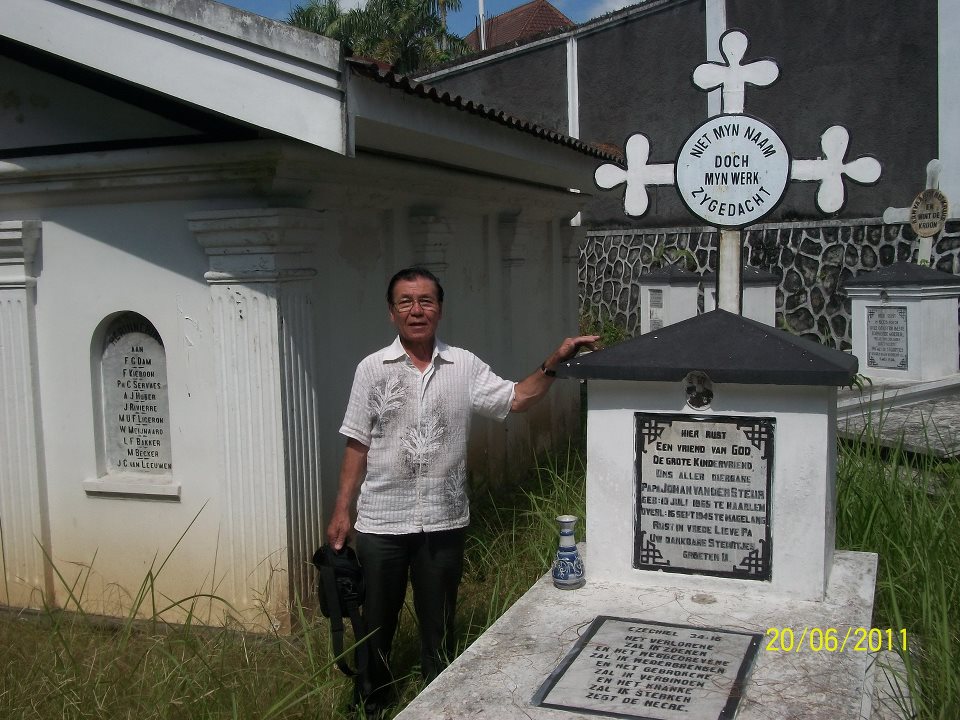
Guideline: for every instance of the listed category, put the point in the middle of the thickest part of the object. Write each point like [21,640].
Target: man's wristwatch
[548,373]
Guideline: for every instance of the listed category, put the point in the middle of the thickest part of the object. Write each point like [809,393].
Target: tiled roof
[525,21]
[401,82]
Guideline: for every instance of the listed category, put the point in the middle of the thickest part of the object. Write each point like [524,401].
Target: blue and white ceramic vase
[568,565]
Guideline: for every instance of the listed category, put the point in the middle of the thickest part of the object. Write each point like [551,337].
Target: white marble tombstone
[904,322]
[667,296]
[723,478]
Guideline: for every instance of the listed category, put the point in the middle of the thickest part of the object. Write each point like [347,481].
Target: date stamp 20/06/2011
[831,639]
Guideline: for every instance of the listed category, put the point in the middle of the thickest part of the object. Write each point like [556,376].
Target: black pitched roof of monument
[727,347]
[672,275]
[750,275]
[903,273]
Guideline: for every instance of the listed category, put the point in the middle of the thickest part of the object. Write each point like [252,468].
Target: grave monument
[713,585]
[667,295]
[904,331]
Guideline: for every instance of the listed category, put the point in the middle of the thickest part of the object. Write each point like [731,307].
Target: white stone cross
[732,76]
[895,216]
[637,175]
[829,171]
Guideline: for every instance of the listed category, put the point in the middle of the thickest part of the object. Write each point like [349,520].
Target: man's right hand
[339,529]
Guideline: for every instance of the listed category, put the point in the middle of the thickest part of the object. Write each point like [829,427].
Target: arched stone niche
[134,453]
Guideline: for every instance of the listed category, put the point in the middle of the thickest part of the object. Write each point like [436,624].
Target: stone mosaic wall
[812,261]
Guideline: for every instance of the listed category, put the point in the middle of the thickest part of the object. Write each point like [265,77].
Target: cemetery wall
[496,85]
[811,260]
[872,71]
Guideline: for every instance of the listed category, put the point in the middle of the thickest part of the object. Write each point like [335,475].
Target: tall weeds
[906,508]
[60,664]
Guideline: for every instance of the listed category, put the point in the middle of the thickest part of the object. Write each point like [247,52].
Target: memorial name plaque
[702,497]
[637,669]
[136,414]
[656,309]
[887,337]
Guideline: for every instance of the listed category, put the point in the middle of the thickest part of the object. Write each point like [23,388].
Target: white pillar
[716,19]
[266,364]
[948,54]
[573,89]
[728,271]
[23,512]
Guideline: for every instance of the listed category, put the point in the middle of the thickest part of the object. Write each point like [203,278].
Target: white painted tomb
[667,296]
[196,231]
[711,471]
[710,510]
[904,323]
[759,294]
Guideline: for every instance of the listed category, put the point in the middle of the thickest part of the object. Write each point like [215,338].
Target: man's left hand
[569,348]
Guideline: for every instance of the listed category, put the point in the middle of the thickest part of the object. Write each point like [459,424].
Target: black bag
[341,592]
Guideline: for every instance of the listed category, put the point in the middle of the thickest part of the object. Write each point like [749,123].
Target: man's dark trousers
[434,563]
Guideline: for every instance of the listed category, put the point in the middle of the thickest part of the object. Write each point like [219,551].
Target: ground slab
[920,417]
[498,676]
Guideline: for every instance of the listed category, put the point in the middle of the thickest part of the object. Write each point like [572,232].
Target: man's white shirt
[416,427]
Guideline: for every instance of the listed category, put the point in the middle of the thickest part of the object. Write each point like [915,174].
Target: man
[407,424]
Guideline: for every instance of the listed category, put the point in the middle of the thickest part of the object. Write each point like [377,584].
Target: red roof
[522,22]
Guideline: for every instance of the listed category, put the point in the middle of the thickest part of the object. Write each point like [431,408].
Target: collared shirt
[416,426]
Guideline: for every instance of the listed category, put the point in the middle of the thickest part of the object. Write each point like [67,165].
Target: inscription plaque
[655,299]
[887,337]
[638,669]
[702,494]
[136,413]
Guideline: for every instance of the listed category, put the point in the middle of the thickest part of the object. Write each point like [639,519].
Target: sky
[461,22]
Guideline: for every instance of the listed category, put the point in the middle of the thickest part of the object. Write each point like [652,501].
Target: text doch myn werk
[731,169]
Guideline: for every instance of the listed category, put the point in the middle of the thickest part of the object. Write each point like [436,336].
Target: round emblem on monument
[699,390]
[928,213]
[732,170]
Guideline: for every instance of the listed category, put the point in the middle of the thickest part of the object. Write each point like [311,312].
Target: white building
[199,211]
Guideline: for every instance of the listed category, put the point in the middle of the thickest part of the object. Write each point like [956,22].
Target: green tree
[407,34]
[324,17]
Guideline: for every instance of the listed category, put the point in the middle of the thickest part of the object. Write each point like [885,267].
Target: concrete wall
[878,71]
[870,68]
[632,79]
[505,86]
[812,261]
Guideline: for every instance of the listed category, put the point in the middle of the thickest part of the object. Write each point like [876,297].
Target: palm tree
[407,34]
[324,17]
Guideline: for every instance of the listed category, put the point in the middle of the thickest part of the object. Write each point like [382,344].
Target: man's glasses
[406,304]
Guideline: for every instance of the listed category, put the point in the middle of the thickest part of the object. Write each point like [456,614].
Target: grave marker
[136,414]
[635,668]
[703,484]
[904,322]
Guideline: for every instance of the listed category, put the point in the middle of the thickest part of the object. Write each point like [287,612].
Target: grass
[57,664]
[906,508]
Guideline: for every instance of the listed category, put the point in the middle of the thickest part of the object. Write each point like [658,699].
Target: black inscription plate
[703,495]
[637,669]
[136,413]
[887,337]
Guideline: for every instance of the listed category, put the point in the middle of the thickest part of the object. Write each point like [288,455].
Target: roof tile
[525,21]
